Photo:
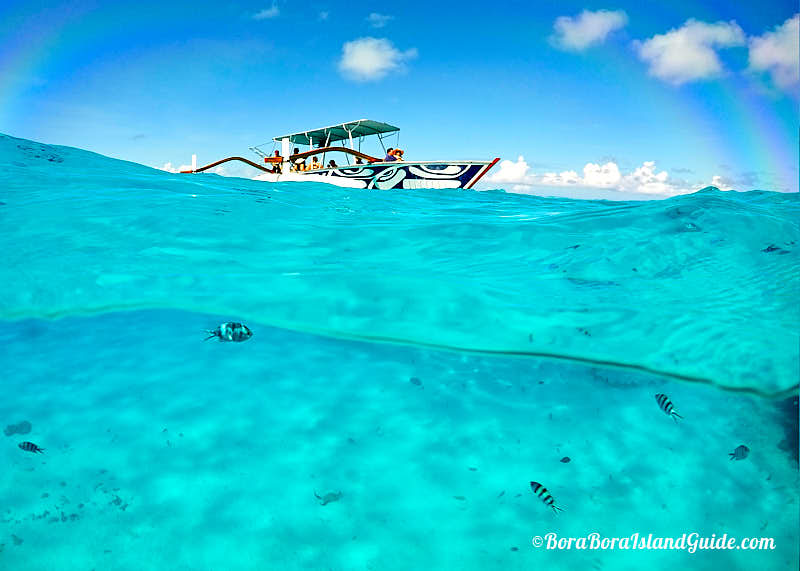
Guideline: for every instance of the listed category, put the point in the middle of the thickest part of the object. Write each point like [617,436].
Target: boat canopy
[341,132]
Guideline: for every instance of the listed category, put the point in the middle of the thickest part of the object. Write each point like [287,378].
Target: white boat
[358,169]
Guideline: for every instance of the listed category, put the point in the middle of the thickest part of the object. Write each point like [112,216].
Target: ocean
[418,359]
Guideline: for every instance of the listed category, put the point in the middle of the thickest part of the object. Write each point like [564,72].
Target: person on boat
[332,164]
[276,168]
[398,154]
[315,164]
[299,163]
[389,155]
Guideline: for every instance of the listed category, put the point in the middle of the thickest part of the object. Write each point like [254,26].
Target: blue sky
[626,97]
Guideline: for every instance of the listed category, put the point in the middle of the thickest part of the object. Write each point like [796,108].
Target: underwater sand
[178,454]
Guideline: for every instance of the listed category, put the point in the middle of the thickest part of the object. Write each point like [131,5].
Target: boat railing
[323,150]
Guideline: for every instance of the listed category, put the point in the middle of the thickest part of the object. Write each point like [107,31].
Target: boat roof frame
[340,132]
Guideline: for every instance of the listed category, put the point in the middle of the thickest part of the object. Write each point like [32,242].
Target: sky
[583,99]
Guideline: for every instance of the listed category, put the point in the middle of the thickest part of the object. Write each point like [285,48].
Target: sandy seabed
[166,452]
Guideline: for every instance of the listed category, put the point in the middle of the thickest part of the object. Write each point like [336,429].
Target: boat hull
[394,175]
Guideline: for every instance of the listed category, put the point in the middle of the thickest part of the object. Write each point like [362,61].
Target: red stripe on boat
[477,178]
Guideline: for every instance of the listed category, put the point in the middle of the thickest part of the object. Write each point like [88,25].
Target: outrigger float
[361,169]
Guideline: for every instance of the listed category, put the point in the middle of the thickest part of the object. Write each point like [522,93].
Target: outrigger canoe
[358,169]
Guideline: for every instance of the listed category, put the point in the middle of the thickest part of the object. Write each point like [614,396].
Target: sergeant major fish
[545,496]
[30,447]
[230,331]
[666,405]
[739,453]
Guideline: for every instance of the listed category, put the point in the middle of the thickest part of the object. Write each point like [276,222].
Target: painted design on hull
[409,175]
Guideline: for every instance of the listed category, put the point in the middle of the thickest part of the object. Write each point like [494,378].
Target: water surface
[418,358]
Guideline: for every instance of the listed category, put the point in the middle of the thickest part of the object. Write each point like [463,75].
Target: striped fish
[30,447]
[666,405]
[739,453]
[545,496]
[230,331]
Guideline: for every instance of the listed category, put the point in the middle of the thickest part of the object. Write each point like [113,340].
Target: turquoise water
[418,358]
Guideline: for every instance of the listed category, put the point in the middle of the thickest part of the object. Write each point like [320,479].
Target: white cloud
[378,20]
[169,168]
[565,178]
[601,176]
[722,182]
[689,53]
[646,180]
[228,169]
[643,180]
[586,29]
[513,172]
[367,59]
[777,53]
[267,13]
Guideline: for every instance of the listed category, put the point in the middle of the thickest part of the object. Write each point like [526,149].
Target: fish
[740,453]
[230,331]
[328,498]
[666,405]
[30,447]
[545,496]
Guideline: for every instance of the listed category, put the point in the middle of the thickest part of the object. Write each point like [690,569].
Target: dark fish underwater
[30,447]
[230,331]
[739,453]
[545,496]
[666,405]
